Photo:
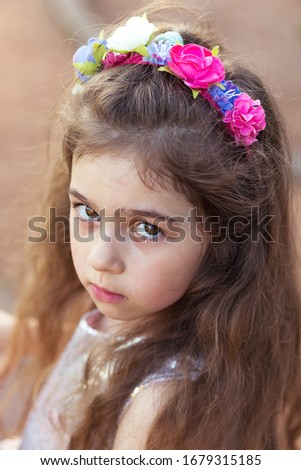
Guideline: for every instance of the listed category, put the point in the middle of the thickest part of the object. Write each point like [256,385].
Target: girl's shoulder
[140,413]
[148,399]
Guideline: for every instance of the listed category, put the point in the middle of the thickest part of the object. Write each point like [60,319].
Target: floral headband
[198,67]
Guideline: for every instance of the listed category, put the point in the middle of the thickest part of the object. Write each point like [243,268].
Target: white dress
[53,417]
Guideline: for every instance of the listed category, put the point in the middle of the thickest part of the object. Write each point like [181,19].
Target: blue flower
[85,59]
[159,52]
[224,98]
[172,36]
[85,53]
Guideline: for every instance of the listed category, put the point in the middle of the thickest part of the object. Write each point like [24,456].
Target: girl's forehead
[116,180]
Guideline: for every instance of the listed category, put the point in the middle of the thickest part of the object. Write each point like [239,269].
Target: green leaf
[86,68]
[222,87]
[142,50]
[195,93]
[165,68]
[215,51]
[98,52]
[152,37]
[119,51]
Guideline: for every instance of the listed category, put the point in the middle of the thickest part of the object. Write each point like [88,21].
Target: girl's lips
[107,296]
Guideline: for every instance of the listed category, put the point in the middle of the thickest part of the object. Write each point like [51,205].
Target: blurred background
[38,39]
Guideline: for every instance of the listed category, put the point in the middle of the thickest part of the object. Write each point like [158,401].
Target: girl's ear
[140,415]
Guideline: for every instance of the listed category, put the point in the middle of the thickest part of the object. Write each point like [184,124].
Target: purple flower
[159,52]
[224,98]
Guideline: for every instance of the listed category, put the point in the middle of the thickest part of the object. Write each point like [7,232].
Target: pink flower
[246,119]
[196,65]
[113,59]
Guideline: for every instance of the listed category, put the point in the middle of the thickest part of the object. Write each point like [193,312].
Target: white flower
[135,33]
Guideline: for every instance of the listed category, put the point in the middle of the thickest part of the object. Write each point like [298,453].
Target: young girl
[179,247]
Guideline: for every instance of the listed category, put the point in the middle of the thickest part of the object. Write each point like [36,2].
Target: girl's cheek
[81,230]
[79,250]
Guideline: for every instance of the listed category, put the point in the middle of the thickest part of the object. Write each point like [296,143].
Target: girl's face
[148,261]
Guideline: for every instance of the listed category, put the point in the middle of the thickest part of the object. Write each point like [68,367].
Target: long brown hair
[241,314]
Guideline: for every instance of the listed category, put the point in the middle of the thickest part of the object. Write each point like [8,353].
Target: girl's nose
[106,254]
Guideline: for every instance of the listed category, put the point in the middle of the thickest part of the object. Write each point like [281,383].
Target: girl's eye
[148,231]
[86,214]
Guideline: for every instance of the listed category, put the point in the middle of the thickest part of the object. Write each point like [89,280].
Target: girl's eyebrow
[129,212]
[149,214]
[78,195]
